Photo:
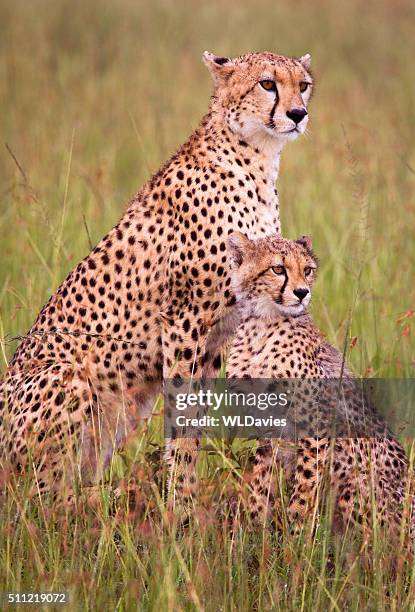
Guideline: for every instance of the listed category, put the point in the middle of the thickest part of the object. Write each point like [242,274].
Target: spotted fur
[139,307]
[269,334]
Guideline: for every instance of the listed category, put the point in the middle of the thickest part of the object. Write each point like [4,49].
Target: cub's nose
[297,114]
[301,293]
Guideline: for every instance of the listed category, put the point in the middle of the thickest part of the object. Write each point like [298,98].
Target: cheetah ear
[238,246]
[306,242]
[220,68]
[305,60]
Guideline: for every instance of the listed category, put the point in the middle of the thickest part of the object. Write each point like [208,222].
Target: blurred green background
[95,95]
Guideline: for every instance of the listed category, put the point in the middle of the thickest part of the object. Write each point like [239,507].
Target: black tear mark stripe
[274,106]
[284,284]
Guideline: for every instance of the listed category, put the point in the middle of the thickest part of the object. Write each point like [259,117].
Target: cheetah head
[273,274]
[264,96]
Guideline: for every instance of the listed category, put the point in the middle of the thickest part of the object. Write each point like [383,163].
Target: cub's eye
[307,271]
[278,269]
[304,86]
[268,85]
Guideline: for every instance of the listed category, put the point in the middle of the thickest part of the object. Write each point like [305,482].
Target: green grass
[94,96]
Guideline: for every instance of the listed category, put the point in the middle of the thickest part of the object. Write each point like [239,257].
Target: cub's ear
[305,60]
[305,241]
[220,68]
[238,247]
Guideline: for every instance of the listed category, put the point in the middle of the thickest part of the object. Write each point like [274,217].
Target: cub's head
[273,273]
[263,95]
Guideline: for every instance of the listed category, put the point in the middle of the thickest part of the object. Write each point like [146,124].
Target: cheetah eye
[304,86]
[278,270]
[268,85]
[308,270]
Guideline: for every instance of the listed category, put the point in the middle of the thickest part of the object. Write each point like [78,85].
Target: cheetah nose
[301,293]
[297,114]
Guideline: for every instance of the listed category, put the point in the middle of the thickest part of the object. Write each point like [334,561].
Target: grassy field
[94,96]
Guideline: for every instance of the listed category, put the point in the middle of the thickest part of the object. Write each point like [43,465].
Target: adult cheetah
[139,307]
[270,335]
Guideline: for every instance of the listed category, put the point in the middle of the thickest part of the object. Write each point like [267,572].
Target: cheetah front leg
[270,455]
[184,341]
[311,463]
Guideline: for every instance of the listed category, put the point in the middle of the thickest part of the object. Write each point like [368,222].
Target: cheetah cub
[269,334]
